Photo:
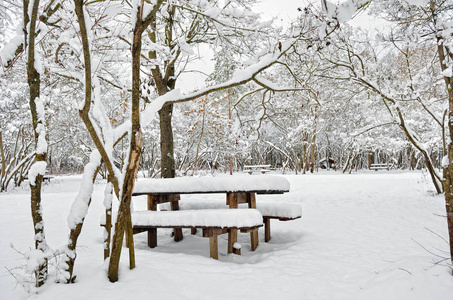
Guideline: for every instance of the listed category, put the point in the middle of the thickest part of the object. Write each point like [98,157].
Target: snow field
[362,236]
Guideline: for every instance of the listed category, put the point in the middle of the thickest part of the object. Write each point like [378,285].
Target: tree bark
[34,83]
[2,155]
[448,171]
[123,222]
[166,142]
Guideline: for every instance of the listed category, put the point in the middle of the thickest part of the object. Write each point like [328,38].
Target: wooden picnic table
[238,189]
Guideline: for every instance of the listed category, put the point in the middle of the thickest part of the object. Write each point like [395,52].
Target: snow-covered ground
[375,235]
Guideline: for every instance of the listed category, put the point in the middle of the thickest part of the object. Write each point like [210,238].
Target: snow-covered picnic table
[238,189]
[266,184]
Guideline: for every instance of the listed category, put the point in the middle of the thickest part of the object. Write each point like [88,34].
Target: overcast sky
[285,11]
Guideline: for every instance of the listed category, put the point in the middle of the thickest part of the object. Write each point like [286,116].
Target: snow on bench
[280,211]
[380,167]
[257,168]
[213,222]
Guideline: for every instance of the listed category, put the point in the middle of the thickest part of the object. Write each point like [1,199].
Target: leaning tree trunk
[123,222]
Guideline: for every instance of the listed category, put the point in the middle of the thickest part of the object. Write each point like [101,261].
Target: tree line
[92,87]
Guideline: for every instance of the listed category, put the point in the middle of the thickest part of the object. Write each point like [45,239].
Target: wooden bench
[380,167]
[279,211]
[213,223]
[263,169]
[44,178]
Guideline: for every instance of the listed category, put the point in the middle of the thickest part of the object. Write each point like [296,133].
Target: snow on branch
[79,207]
[345,11]
[271,86]
[38,168]
[10,52]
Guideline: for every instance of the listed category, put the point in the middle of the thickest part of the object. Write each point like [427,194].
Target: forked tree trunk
[123,222]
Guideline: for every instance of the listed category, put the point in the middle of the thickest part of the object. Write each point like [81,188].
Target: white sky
[284,11]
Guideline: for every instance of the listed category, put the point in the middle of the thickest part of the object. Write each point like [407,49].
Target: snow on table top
[266,184]
[199,218]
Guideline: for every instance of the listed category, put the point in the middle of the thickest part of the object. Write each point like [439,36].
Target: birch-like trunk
[34,82]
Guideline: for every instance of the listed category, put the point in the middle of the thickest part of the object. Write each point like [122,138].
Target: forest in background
[333,116]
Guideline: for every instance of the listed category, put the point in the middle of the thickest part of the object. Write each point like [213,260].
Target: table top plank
[264,184]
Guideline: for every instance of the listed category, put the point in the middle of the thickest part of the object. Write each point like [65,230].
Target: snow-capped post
[38,168]
[108,196]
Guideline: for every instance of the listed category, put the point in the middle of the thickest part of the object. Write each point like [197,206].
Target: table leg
[254,234]
[213,247]
[174,204]
[232,201]
[152,233]
[152,237]
[267,230]
[152,202]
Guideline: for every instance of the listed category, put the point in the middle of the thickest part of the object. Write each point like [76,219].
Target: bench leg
[254,239]
[254,234]
[232,238]
[213,247]
[267,229]
[152,237]
[193,231]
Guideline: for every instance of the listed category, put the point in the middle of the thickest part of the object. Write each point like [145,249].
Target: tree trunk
[448,189]
[74,234]
[2,156]
[123,222]
[312,153]
[34,82]
[444,52]
[166,142]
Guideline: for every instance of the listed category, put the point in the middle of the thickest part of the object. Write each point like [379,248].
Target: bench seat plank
[219,218]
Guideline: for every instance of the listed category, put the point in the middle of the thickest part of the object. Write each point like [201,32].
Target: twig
[437,235]
[430,252]
[405,270]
